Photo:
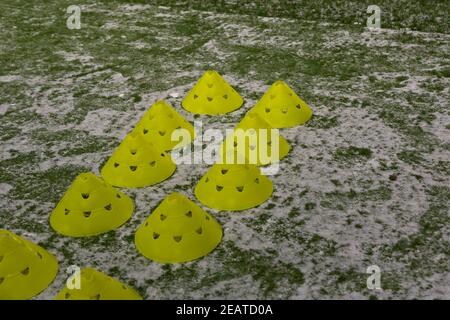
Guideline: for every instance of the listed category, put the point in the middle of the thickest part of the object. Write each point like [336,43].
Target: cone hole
[144,131]
[206,180]
[207,217]
[150,117]
[162,217]
[189,214]
[240,188]
[124,287]
[118,196]
[38,254]
[116,164]
[257,180]
[67,296]
[195,96]
[209,99]
[224,171]
[133,168]
[146,224]
[66,211]
[87,214]
[133,151]
[96,297]
[163,155]
[267,110]
[177,238]
[170,115]
[219,188]
[272,96]
[25,271]
[2,279]
[199,230]
[155,235]
[85,195]
[210,85]
[162,133]
[152,164]
[108,207]
[225,96]
[284,110]
[290,94]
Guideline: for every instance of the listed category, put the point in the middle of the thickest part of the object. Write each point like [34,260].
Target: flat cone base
[212,95]
[95,285]
[177,231]
[233,187]
[26,269]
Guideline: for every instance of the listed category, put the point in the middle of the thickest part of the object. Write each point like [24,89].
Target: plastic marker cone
[212,95]
[252,138]
[95,285]
[26,269]
[281,107]
[158,124]
[90,207]
[178,230]
[137,163]
[233,187]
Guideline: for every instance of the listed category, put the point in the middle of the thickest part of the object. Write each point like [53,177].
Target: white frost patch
[4,188]
[97,121]
[75,56]
[10,78]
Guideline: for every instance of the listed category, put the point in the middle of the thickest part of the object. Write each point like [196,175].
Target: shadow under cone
[178,230]
[233,187]
[212,95]
[158,124]
[95,285]
[252,139]
[137,163]
[90,207]
[281,107]
[26,269]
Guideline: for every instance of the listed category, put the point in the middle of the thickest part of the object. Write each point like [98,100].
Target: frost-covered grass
[366,182]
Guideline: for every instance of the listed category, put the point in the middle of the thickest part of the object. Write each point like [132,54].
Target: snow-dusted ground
[366,182]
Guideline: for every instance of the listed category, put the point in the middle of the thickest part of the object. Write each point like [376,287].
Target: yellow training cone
[162,125]
[26,269]
[233,187]
[178,230]
[281,107]
[256,141]
[95,285]
[89,207]
[212,95]
[137,163]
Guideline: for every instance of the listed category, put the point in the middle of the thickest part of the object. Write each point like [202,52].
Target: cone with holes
[177,231]
[137,163]
[90,207]
[26,269]
[212,95]
[162,123]
[254,139]
[95,285]
[281,107]
[233,187]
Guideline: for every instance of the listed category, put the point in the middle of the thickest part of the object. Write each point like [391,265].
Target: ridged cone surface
[178,230]
[90,207]
[252,139]
[233,187]
[26,269]
[159,122]
[137,163]
[212,95]
[281,107]
[95,285]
